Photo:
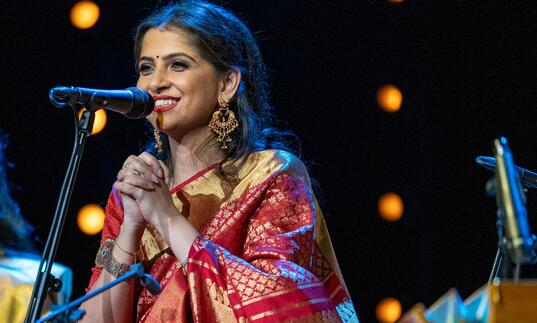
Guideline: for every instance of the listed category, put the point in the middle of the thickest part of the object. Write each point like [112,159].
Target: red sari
[263,253]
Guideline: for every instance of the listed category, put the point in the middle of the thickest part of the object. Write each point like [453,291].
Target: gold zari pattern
[263,253]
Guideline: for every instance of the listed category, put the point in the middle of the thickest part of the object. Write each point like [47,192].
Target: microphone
[518,238]
[527,177]
[132,102]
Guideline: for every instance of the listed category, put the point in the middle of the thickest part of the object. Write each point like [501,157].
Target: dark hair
[225,41]
[15,232]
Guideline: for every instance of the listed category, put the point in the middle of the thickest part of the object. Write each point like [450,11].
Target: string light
[389,310]
[90,219]
[390,206]
[84,14]
[389,98]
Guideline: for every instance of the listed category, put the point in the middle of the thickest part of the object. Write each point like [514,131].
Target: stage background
[467,70]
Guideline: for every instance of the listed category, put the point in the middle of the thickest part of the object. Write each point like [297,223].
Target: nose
[159,81]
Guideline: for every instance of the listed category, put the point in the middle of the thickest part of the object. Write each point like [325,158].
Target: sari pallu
[263,253]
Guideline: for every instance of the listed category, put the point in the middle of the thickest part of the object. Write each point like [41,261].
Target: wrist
[180,235]
[163,221]
[134,230]
[129,238]
[109,259]
[133,227]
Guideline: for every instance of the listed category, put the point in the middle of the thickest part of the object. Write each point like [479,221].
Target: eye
[145,69]
[179,65]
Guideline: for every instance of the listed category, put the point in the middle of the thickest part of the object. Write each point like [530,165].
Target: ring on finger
[136,172]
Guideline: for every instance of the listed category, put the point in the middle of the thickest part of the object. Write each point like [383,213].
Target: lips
[165,103]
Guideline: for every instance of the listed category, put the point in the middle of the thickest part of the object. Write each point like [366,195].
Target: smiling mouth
[163,105]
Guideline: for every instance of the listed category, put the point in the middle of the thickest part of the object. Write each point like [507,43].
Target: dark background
[468,73]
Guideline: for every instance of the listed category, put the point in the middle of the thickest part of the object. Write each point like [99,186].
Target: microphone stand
[72,314]
[516,244]
[45,281]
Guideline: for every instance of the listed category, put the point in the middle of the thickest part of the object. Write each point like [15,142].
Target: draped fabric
[263,253]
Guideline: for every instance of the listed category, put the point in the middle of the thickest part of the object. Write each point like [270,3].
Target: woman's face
[185,87]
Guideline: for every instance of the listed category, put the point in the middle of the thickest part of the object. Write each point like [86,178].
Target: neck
[194,152]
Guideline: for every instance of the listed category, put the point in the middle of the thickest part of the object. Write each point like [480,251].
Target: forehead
[164,41]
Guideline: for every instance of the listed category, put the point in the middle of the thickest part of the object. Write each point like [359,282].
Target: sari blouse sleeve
[281,274]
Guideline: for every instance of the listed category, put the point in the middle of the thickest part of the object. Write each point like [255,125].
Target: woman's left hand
[150,192]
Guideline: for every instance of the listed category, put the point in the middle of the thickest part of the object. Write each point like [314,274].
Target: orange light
[389,310]
[84,14]
[395,1]
[389,98]
[98,123]
[390,207]
[90,219]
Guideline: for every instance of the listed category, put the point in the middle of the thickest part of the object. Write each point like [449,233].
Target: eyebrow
[169,57]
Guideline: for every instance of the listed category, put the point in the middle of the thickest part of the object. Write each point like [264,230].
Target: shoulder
[269,163]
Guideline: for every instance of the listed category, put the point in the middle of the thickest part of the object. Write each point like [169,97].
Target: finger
[138,181]
[129,172]
[138,166]
[126,197]
[129,160]
[122,173]
[153,163]
[128,189]
[167,172]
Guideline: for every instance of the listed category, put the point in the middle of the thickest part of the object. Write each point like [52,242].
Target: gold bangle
[125,251]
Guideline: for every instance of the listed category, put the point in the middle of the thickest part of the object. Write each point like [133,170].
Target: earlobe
[231,81]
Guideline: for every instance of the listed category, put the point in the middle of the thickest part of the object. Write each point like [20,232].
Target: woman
[240,237]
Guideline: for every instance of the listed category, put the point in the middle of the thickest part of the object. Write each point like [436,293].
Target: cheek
[141,83]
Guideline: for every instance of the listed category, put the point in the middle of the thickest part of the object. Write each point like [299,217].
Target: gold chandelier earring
[223,123]
[156,133]
[158,140]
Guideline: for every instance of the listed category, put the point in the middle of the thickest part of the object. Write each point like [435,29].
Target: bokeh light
[90,219]
[84,14]
[389,98]
[390,207]
[395,1]
[98,123]
[389,310]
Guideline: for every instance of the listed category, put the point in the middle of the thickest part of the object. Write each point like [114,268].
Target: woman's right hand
[133,218]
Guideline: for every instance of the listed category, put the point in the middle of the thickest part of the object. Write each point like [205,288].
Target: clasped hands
[143,184]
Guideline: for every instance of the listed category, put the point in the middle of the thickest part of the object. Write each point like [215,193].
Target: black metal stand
[70,312]
[44,280]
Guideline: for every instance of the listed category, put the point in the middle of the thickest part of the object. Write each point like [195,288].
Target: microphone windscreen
[142,104]
[59,96]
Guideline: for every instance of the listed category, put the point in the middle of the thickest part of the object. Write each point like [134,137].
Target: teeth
[161,102]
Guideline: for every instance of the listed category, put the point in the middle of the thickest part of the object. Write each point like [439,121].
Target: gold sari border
[203,265]
[278,293]
[291,307]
